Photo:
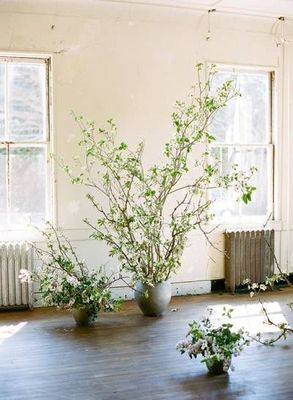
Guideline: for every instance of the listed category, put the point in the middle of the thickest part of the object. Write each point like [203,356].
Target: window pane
[2,101]
[3,187]
[259,204]
[226,204]
[246,118]
[28,185]
[26,101]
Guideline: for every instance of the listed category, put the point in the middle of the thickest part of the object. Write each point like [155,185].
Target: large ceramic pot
[83,317]
[153,300]
[217,367]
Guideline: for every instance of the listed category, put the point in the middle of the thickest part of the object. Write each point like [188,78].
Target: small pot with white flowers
[66,282]
[216,344]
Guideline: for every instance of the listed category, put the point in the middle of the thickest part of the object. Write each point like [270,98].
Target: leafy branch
[146,214]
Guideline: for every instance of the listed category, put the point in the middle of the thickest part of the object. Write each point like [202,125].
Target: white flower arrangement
[65,281]
[216,345]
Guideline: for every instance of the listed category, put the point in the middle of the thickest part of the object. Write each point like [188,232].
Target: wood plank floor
[126,356]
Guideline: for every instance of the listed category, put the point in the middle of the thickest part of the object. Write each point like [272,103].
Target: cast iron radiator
[249,254]
[13,258]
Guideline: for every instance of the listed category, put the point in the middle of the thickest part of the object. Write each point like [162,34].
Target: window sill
[19,235]
[221,227]
[31,234]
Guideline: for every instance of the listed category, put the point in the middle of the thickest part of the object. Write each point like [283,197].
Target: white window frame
[46,143]
[270,146]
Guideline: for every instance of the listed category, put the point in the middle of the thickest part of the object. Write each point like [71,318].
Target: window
[24,139]
[243,132]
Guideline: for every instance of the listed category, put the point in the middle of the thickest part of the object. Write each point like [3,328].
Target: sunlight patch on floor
[250,316]
[7,331]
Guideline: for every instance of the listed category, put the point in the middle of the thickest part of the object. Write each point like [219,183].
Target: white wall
[131,63]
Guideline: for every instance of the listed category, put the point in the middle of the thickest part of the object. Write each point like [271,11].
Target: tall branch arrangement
[145,214]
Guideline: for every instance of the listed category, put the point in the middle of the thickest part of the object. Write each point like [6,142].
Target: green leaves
[210,138]
[210,170]
[246,197]
[149,192]
[91,151]
[210,103]
[123,146]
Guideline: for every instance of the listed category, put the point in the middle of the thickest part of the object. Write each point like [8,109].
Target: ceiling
[265,8]
[251,7]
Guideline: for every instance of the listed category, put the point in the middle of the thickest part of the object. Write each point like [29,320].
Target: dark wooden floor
[126,356]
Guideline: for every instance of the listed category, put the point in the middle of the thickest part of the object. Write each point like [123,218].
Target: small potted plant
[216,344]
[66,282]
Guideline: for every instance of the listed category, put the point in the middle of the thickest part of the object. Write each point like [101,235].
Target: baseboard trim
[178,289]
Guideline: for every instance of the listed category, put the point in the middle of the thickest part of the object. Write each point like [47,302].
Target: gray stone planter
[83,317]
[157,299]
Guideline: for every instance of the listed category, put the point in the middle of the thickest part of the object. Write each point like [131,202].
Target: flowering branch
[65,281]
[144,214]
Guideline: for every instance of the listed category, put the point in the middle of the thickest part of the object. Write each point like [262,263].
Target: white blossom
[25,276]
[72,280]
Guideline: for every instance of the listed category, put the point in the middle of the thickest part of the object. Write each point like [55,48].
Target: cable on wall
[209,32]
[278,31]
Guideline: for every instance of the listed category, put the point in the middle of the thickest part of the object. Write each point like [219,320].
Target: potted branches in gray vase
[144,214]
